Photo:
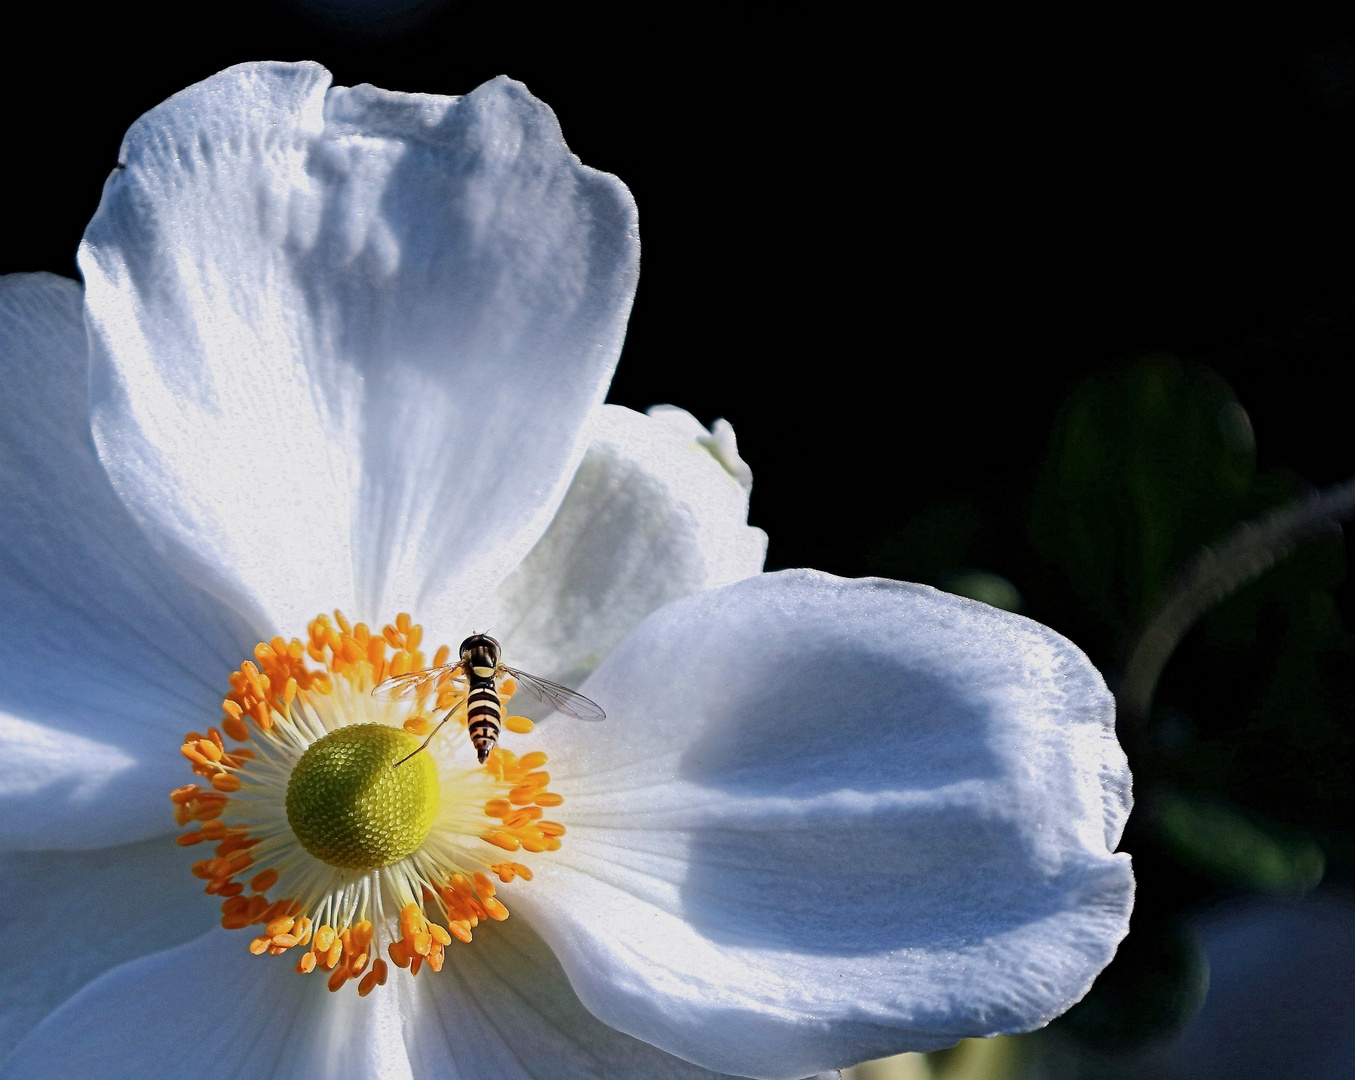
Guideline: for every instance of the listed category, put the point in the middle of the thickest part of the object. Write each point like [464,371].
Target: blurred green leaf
[1145,464]
[1217,839]
[936,540]
[1150,992]
[982,585]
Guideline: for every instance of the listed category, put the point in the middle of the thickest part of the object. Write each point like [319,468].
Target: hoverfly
[480,666]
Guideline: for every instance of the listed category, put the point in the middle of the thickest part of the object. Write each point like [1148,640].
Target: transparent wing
[562,697]
[414,683]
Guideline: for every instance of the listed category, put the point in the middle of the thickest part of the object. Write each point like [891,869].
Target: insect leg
[424,744]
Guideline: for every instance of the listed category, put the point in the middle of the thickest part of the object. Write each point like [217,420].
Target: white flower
[346,348]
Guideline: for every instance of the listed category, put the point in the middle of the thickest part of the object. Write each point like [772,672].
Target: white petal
[501,1008]
[832,820]
[68,916]
[652,515]
[209,1010]
[346,342]
[108,657]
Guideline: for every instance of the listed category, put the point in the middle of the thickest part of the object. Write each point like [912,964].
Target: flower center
[360,857]
[350,807]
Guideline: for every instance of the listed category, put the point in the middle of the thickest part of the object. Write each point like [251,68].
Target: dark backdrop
[987,209]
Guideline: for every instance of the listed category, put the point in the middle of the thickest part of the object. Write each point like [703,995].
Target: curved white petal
[108,657]
[652,514]
[68,916]
[501,1008]
[209,1010]
[346,341]
[832,820]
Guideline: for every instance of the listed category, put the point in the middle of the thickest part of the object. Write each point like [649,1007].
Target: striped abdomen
[484,713]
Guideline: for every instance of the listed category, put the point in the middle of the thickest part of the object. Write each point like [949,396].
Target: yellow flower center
[349,806]
[327,847]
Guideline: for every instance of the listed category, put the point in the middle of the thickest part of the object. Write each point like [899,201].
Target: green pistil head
[350,808]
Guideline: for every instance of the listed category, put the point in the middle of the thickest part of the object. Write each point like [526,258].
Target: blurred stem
[1214,573]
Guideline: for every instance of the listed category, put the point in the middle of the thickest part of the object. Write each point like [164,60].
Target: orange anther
[215,736]
[441,657]
[505,871]
[398,953]
[483,885]
[518,724]
[368,984]
[324,938]
[551,828]
[496,910]
[235,922]
[418,725]
[184,794]
[504,840]
[435,958]
[460,929]
[233,889]
[226,782]
[263,881]
[549,798]
[234,906]
[235,728]
[259,945]
[523,794]
[188,839]
[440,935]
[531,761]
[508,688]
[337,978]
[411,920]
[422,943]
[209,749]
[334,955]
[193,754]
[206,811]
[498,807]
[379,969]
[362,934]
[280,925]
[306,964]
[183,814]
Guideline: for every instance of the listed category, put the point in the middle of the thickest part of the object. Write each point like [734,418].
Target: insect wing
[414,683]
[562,697]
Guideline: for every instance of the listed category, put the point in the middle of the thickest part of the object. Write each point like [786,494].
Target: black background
[988,210]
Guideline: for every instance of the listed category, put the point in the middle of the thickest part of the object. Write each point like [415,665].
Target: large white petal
[209,1010]
[108,657]
[346,341]
[68,916]
[651,515]
[832,820]
[501,1008]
